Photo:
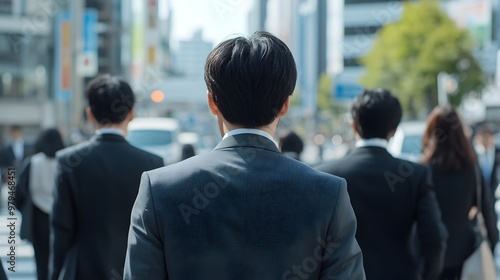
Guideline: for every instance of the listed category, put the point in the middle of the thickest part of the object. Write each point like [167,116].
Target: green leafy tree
[408,54]
[325,99]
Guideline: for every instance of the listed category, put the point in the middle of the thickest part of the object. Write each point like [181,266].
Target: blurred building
[479,18]
[362,20]
[302,24]
[30,57]
[257,16]
[26,57]
[191,56]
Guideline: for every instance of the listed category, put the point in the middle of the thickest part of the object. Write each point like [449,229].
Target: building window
[361,30]
[351,62]
[6,6]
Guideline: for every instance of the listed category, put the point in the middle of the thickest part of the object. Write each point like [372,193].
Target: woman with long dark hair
[35,196]
[452,161]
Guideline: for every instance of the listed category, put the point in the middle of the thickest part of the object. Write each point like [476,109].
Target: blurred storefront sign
[88,61]
[63,58]
[346,92]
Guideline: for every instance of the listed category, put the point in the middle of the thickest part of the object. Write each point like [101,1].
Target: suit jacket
[8,158]
[456,194]
[494,179]
[242,211]
[96,186]
[388,196]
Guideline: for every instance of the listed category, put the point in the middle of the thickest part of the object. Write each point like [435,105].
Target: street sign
[87,63]
[63,59]
[346,92]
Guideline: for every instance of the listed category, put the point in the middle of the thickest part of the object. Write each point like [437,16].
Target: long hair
[49,142]
[445,144]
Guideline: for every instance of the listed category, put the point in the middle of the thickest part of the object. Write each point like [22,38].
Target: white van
[158,136]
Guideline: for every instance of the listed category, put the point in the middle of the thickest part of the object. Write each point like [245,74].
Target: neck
[120,126]
[270,128]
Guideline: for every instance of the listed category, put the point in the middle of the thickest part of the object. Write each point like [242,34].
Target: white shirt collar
[18,148]
[251,131]
[110,130]
[373,142]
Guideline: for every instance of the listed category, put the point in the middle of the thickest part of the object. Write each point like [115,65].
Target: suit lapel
[247,140]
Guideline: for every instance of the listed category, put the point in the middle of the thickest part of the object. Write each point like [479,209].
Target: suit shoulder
[411,166]
[80,149]
[329,166]
[144,153]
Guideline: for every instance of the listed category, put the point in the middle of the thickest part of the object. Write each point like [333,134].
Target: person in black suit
[15,152]
[389,195]
[488,156]
[34,196]
[451,158]
[291,145]
[244,210]
[97,183]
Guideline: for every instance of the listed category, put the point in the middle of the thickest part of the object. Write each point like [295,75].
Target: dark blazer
[96,186]
[8,158]
[388,196]
[242,211]
[494,179]
[24,203]
[456,194]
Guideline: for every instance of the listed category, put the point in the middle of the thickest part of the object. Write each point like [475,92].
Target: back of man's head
[250,79]
[375,113]
[110,99]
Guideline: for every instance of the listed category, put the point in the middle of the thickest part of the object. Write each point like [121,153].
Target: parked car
[158,136]
[407,141]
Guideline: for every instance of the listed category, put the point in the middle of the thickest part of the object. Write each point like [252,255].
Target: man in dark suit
[488,156]
[96,185]
[244,210]
[13,154]
[389,195]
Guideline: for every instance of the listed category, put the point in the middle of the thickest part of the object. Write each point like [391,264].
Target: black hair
[250,79]
[110,99]
[375,113]
[291,142]
[49,142]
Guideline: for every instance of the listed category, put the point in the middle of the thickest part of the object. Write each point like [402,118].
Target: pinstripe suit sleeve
[145,258]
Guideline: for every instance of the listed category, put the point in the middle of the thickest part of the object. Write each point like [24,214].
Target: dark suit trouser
[41,242]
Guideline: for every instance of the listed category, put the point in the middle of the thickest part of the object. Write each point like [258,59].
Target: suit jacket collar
[371,150]
[108,137]
[247,140]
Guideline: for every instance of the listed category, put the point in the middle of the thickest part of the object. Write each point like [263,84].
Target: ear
[391,133]
[131,114]
[286,106]
[211,104]
[354,128]
[90,116]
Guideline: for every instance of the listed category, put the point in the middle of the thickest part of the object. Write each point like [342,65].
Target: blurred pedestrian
[187,151]
[16,150]
[96,186]
[451,158]
[291,145]
[244,210]
[488,156]
[34,196]
[389,195]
